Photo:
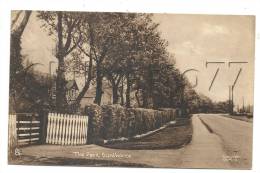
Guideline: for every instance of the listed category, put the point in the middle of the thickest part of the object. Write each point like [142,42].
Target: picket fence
[66,129]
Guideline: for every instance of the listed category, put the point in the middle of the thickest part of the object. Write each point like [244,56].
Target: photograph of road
[131,89]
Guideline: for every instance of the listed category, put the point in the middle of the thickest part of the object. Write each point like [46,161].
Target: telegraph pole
[51,85]
[230,99]
[232,91]
[50,63]
[243,109]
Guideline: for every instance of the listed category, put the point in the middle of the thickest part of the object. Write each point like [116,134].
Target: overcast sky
[194,40]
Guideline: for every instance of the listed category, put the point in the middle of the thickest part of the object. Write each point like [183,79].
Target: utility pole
[50,63]
[229,100]
[243,109]
[232,91]
[51,87]
[232,99]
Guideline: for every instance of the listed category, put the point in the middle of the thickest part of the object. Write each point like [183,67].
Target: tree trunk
[145,99]
[99,91]
[115,83]
[183,102]
[122,93]
[19,30]
[137,98]
[115,94]
[127,95]
[60,87]
[83,92]
[16,68]
[87,83]
[60,81]
[16,58]
[150,92]
[171,100]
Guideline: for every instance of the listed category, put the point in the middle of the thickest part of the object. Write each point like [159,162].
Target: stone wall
[114,121]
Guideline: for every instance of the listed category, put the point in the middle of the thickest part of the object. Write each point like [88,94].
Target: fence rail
[27,128]
[66,129]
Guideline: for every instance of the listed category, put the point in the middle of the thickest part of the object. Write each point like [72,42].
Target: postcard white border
[235,7]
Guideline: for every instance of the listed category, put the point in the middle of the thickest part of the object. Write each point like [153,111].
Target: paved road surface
[236,138]
[218,142]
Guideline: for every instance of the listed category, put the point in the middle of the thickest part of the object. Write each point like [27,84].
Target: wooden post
[43,126]
[90,136]
[12,136]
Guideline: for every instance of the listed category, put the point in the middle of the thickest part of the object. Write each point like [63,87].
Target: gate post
[12,136]
[89,114]
[43,126]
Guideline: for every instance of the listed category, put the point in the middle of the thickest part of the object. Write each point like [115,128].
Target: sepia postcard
[110,89]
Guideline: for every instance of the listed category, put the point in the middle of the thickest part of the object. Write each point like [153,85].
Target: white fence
[66,129]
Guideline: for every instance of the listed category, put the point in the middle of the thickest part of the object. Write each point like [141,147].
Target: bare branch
[74,46]
[16,18]
[21,27]
[82,49]
[69,32]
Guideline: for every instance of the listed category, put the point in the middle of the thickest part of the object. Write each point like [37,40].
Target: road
[217,142]
[235,137]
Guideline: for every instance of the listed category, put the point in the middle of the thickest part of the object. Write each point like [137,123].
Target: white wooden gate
[66,129]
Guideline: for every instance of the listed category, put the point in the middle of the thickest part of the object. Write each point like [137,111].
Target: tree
[147,66]
[138,59]
[99,42]
[65,26]
[130,51]
[124,48]
[127,50]
[105,36]
[78,64]
[118,63]
[17,70]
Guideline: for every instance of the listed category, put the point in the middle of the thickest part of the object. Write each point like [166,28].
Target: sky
[197,39]
[193,40]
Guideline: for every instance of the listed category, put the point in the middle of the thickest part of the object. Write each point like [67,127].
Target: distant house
[72,91]
[71,88]
[89,97]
